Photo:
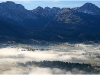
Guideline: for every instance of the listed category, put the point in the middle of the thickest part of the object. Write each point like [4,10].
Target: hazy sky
[31,4]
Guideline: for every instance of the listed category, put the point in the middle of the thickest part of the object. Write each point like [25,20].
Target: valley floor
[52,59]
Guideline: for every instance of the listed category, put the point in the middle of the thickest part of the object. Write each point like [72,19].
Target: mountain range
[49,24]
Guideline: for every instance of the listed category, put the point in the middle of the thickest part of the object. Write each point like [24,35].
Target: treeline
[87,68]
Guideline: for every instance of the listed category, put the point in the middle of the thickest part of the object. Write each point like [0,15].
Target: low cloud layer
[10,57]
[15,55]
[40,71]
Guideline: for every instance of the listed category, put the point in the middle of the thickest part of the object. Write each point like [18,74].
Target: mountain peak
[89,8]
[89,5]
[11,5]
[40,8]
[8,2]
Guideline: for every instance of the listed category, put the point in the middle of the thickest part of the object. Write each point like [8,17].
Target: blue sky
[31,4]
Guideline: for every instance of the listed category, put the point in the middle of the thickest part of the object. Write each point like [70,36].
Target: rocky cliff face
[17,12]
[50,24]
[89,8]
